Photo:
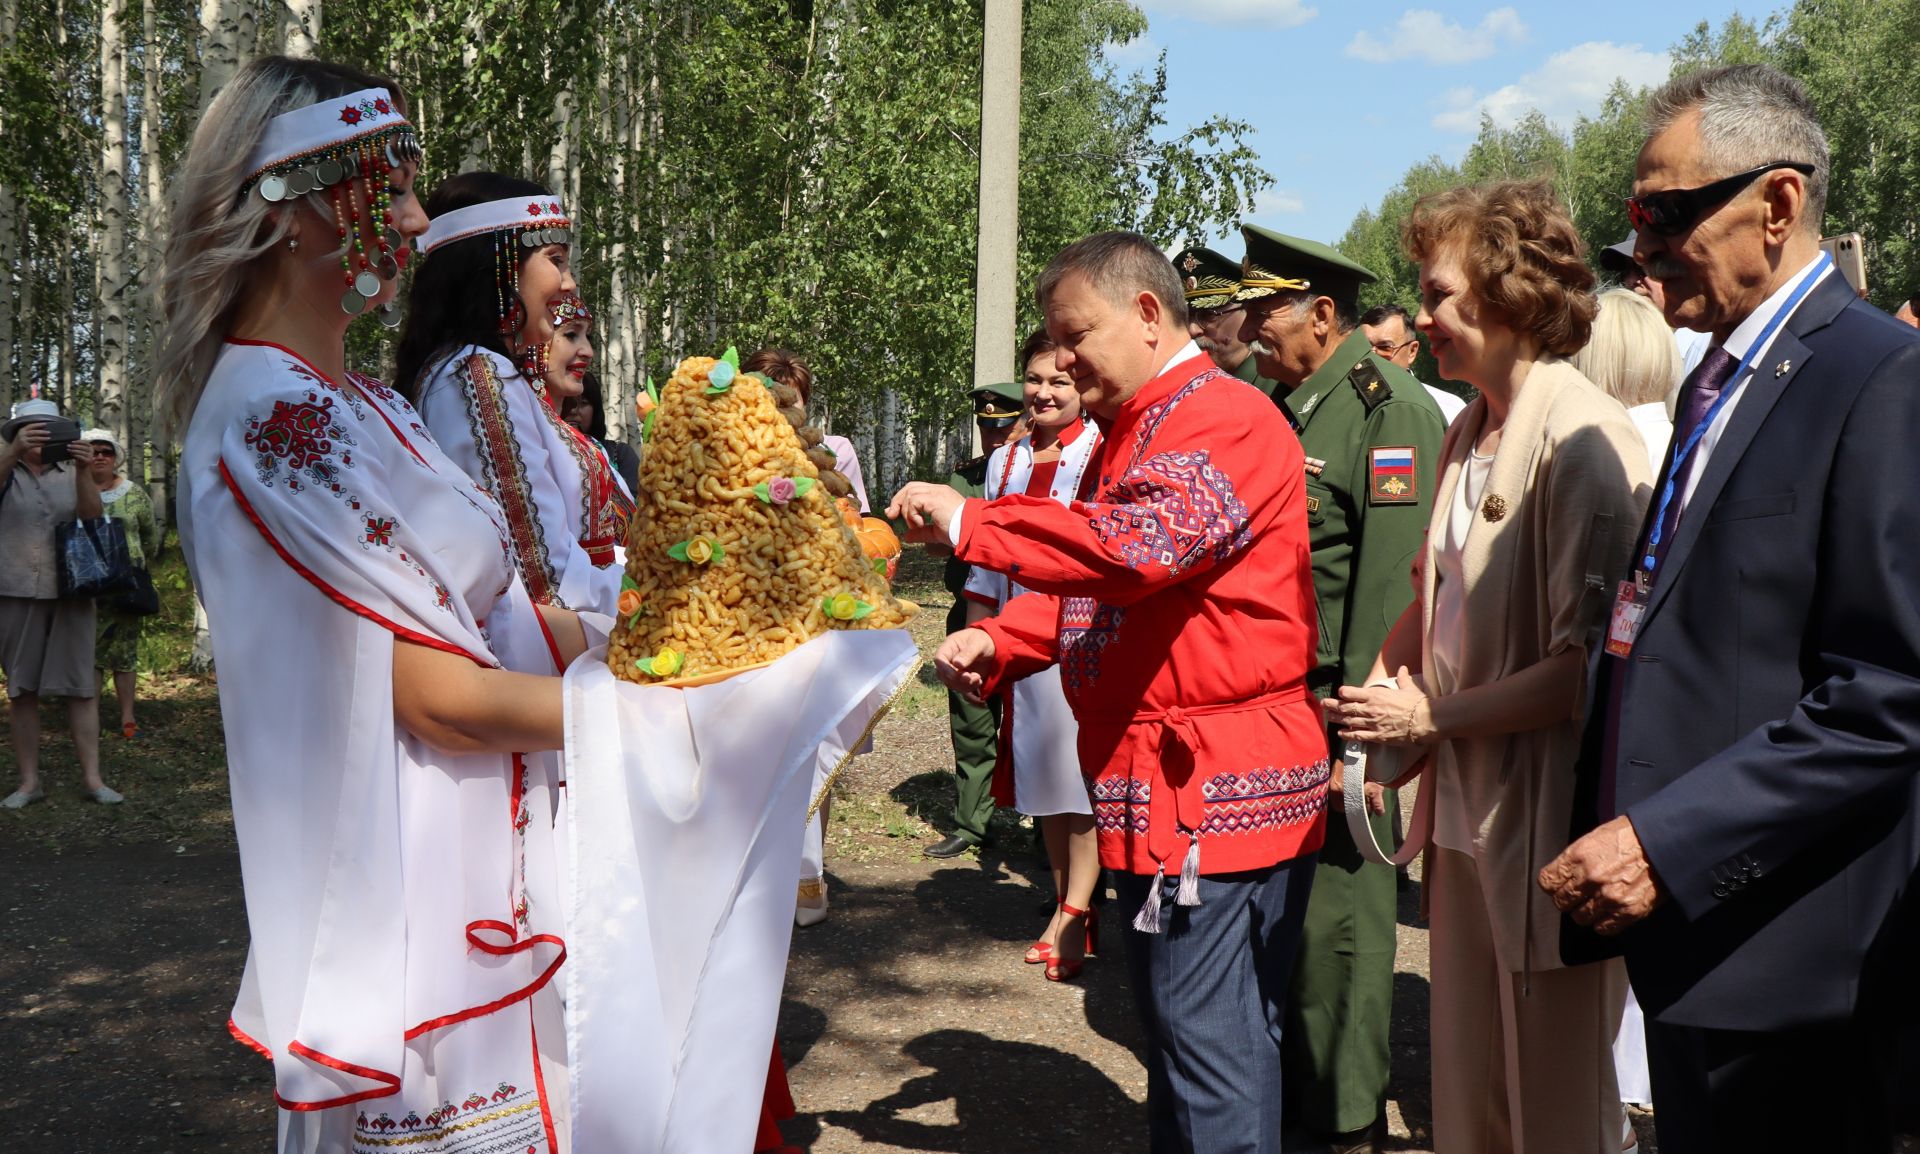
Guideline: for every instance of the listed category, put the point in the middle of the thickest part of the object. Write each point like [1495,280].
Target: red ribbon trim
[335,595]
[474,929]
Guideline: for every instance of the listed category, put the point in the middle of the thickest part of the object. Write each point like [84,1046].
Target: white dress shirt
[1737,346]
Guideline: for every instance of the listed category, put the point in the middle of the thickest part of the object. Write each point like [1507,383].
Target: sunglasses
[1676,210]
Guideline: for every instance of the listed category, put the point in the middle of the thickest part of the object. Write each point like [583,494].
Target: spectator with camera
[46,643]
[117,633]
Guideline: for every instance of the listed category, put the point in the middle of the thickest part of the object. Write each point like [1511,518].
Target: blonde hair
[1631,353]
[215,236]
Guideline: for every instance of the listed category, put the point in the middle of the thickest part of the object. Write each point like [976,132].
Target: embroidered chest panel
[1087,627]
[506,478]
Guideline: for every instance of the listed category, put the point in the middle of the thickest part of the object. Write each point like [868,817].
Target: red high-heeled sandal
[1066,969]
[1040,952]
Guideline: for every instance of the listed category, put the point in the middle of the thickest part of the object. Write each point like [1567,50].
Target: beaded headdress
[517,224]
[568,309]
[340,146]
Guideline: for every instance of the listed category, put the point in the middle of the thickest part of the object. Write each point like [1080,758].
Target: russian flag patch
[1391,476]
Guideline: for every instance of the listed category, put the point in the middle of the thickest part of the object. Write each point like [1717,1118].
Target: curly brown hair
[1521,255]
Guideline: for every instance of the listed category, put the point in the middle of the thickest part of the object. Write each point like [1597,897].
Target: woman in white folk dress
[474,358]
[398,858]
[1038,772]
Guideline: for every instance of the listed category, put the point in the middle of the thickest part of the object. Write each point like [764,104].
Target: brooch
[1494,507]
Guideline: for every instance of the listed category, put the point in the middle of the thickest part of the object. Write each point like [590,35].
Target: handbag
[92,557]
[142,600]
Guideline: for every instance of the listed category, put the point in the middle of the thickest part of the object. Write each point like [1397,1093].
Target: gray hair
[1345,314]
[1119,265]
[215,236]
[1750,115]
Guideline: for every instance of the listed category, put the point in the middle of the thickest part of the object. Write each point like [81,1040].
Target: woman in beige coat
[1543,481]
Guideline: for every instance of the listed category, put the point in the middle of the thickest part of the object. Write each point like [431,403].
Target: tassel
[1147,921]
[1189,894]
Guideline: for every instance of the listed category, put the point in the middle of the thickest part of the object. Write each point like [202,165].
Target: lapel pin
[1782,369]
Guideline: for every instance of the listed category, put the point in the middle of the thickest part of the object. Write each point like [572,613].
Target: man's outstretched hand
[963,661]
[927,509]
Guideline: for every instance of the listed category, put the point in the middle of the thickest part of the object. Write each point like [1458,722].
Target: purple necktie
[1697,396]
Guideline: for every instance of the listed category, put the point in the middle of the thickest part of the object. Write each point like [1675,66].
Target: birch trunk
[32,366]
[619,379]
[152,243]
[9,229]
[219,47]
[110,259]
[300,27]
[64,343]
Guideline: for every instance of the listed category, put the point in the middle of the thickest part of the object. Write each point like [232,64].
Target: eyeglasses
[1388,348]
[1676,210]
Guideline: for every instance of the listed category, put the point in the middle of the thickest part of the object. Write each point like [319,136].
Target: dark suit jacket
[1769,750]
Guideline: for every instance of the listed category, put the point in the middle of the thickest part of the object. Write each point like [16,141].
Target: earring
[293,244]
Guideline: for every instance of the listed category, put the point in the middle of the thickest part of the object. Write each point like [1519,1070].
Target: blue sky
[1345,96]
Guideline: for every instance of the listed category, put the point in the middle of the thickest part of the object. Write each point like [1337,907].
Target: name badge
[1629,606]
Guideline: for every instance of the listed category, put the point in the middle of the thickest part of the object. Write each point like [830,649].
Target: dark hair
[453,300]
[1520,253]
[590,394]
[1035,344]
[789,368]
[1120,265]
[1378,314]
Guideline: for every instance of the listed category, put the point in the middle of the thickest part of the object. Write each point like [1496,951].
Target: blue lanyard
[1681,454]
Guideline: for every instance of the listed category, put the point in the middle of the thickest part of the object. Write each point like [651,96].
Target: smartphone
[1849,253]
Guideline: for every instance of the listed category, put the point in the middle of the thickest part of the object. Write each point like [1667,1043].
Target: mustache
[1207,344]
[1260,348]
[1664,267]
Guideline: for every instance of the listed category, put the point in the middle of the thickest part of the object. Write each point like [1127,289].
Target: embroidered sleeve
[1164,519]
[299,465]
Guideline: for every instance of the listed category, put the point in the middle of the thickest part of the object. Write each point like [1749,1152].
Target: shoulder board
[1367,380]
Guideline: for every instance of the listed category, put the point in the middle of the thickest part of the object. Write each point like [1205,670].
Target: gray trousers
[1211,988]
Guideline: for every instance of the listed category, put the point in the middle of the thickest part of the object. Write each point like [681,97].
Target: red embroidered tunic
[1177,598]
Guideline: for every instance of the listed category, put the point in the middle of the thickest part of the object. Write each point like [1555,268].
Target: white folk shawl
[687,811]
[403,902]
[493,424]
[1046,757]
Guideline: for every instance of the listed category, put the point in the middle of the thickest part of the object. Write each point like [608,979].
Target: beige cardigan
[1549,544]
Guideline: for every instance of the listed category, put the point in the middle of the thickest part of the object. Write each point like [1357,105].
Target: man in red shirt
[1177,597]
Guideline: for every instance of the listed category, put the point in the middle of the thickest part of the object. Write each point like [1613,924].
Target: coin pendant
[273,189]
[366,283]
[330,172]
[353,303]
[388,267]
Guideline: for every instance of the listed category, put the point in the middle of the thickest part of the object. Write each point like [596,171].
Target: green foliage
[1855,57]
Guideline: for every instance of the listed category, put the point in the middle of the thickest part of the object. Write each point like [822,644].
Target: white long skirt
[1046,755]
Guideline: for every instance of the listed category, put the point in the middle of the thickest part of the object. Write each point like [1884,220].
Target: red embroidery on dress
[506,479]
[604,509]
[304,436]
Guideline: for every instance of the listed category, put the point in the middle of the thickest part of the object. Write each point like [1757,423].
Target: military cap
[997,406]
[1618,258]
[1279,263]
[1210,279]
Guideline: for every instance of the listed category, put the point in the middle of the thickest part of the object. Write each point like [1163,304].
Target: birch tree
[113,269]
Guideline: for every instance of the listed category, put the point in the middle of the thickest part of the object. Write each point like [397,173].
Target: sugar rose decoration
[733,554]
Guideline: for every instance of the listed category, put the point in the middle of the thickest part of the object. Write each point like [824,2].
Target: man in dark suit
[1752,761]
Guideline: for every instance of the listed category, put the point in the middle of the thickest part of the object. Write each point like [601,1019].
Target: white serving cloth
[1046,756]
[531,462]
[687,812]
[402,902]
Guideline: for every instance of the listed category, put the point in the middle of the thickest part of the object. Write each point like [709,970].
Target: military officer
[1372,439]
[1213,316]
[976,728]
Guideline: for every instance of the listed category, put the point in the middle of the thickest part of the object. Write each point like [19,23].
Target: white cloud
[1140,52]
[1423,34]
[1276,202]
[1261,13]
[1568,85]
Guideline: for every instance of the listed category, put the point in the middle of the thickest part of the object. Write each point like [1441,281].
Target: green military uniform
[976,728]
[1211,282]
[1372,437]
